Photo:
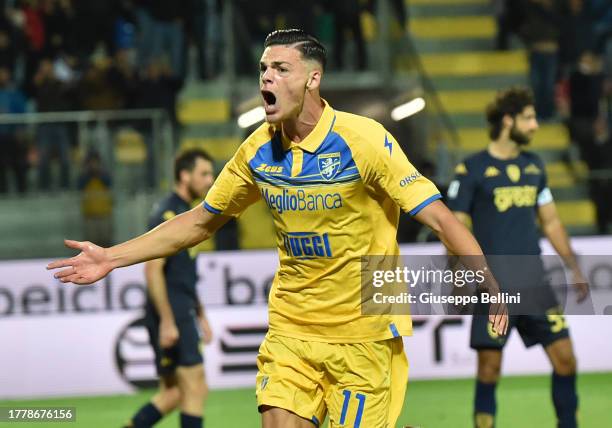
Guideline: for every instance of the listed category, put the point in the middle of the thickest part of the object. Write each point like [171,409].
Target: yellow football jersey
[334,197]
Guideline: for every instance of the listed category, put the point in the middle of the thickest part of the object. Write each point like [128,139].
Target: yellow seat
[130,147]
[560,174]
[577,213]
[446,2]
[475,63]
[462,101]
[199,111]
[451,27]
[220,149]
[548,137]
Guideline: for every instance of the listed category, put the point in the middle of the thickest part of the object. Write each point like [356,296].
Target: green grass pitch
[522,402]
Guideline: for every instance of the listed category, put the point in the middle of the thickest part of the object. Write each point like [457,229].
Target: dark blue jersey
[179,269]
[502,197]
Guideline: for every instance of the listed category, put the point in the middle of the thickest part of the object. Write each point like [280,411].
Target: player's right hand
[498,316]
[168,333]
[89,266]
[581,285]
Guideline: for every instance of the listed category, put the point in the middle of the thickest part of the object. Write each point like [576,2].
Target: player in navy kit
[503,192]
[174,316]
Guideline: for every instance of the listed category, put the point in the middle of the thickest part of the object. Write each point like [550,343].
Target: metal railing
[101,131]
[136,148]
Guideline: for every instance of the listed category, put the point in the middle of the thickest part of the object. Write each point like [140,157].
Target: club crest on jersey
[532,169]
[329,165]
[514,173]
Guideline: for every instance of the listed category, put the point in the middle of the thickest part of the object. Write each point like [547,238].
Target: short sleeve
[544,194]
[460,194]
[234,189]
[390,170]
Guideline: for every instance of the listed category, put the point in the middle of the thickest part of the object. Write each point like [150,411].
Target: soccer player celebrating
[334,184]
[173,312]
[502,191]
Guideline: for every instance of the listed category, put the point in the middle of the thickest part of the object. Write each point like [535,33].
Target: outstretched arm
[94,263]
[458,240]
[556,234]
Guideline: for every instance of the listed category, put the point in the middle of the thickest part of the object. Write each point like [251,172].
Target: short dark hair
[186,161]
[308,45]
[511,101]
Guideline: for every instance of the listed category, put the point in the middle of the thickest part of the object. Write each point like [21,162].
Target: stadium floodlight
[251,117]
[407,109]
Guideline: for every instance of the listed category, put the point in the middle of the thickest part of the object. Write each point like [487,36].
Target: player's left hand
[207,334]
[581,285]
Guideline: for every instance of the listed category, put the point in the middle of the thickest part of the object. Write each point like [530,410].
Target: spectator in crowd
[540,30]
[13,153]
[58,23]
[9,44]
[144,29]
[602,10]
[34,32]
[299,13]
[586,91]
[607,71]
[159,87]
[588,129]
[95,89]
[167,35]
[244,28]
[600,184]
[502,18]
[124,31]
[94,26]
[214,37]
[577,34]
[399,10]
[52,94]
[97,202]
[347,17]
[197,33]
[124,80]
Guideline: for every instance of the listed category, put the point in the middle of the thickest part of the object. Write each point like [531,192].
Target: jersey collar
[316,137]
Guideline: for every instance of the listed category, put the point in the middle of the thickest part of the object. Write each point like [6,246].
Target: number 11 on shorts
[347,397]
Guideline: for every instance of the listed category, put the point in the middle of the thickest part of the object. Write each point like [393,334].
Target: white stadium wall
[61,340]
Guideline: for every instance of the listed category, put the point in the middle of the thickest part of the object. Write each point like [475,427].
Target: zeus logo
[269,169]
[307,245]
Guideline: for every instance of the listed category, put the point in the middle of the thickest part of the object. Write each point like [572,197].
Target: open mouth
[269,97]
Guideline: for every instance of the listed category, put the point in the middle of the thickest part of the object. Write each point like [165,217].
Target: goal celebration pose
[334,184]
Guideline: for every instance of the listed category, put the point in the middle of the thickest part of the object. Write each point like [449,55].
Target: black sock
[565,400]
[147,416]
[484,405]
[190,421]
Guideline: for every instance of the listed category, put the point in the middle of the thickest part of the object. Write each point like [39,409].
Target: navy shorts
[541,329]
[187,350]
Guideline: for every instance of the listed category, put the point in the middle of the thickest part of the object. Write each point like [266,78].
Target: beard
[193,193]
[519,137]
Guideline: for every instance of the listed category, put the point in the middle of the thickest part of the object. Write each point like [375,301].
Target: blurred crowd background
[187,68]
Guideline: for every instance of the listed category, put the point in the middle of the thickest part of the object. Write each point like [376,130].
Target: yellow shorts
[357,384]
